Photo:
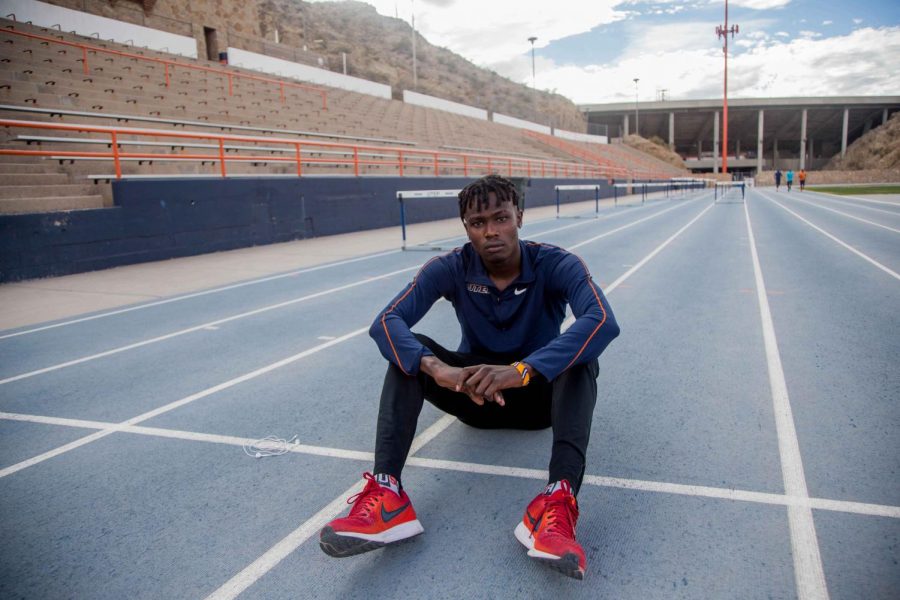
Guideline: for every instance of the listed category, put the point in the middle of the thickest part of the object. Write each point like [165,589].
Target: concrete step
[32,167]
[31,160]
[43,191]
[29,179]
[50,204]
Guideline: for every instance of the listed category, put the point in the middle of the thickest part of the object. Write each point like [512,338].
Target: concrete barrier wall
[286,68]
[168,218]
[520,123]
[48,15]
[581,137]
[445,105]
[834,177]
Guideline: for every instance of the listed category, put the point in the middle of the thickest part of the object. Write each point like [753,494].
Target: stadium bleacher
[44,70]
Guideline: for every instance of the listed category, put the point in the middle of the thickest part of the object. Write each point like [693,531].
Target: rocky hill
[656,148]
[380,49]
[878,149]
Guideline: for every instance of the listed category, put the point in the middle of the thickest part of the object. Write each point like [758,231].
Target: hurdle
[643,187]
[730,185]
[676,183]
[410,194]
[595,187]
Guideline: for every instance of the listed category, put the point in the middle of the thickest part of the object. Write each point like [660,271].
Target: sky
[592,50]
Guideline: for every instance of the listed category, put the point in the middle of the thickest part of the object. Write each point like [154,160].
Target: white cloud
[827,22]
[753,4]
[655,39]
[489,31]
[679,57]
[860,63]
[760,4]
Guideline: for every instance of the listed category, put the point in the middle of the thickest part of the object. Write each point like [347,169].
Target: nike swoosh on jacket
[526,326]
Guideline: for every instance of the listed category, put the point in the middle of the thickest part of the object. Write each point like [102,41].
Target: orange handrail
[446,163]
[171,63]
[648,171]
[589,156]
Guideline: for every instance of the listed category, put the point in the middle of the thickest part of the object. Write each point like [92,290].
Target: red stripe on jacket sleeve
[394,305]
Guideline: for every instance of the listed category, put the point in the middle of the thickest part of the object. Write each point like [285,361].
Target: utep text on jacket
[523,320]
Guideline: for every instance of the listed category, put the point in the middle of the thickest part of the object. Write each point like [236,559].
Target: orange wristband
[524,371]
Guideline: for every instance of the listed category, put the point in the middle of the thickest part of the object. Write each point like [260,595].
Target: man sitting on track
[513,369]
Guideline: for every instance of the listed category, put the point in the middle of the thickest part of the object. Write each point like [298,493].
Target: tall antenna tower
[722,32]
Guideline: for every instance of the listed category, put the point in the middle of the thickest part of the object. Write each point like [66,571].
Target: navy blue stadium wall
[168,218]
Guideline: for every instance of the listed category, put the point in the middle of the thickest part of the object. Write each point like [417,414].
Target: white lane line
[848,215]
[607,216]
[198,294]
[168,407]
[206,326]
[839,200]
[632,224]
[274,555]
[64,421]
[278,552]
[842,243]
[889,203]
[430,433]
[571,318]
[808,571]
[178,403]
[231,287]
[845,506]
[261,566]
[463,236]
[859,508]
[265,563]
[601,217]
[202,326]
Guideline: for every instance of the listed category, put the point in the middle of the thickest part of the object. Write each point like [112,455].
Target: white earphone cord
[269,446]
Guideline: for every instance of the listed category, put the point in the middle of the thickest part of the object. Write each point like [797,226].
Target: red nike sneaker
[548,531]
[378,517]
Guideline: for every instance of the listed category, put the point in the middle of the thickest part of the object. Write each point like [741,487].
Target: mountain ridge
[379,49]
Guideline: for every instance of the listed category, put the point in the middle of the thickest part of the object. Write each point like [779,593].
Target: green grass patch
[852,190]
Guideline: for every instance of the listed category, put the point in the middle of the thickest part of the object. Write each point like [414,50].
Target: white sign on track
[428,194]
[576,187]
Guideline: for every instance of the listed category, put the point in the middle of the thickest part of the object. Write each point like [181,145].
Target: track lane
[837,334]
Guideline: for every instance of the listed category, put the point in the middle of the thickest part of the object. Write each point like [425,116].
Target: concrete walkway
[41,300]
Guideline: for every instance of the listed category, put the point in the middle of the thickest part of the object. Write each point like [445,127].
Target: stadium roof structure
[827,124]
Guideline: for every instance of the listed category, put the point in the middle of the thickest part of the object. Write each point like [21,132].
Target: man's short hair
[477,193]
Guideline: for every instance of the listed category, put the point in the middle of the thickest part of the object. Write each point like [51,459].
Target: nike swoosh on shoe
[389,515]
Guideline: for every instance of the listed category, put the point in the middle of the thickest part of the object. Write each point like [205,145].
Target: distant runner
[513,369]
[777,179]
[801,177]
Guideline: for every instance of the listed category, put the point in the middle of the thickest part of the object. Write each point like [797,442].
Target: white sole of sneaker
[526,539]
[560,563]
[394,534]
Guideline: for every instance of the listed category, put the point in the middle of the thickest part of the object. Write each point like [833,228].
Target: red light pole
[722,32]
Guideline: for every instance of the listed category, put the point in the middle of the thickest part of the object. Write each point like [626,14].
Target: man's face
[493,230]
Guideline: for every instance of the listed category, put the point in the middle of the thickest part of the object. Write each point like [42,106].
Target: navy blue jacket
[523,320]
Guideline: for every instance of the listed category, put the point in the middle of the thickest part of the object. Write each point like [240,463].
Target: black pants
[566,404]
